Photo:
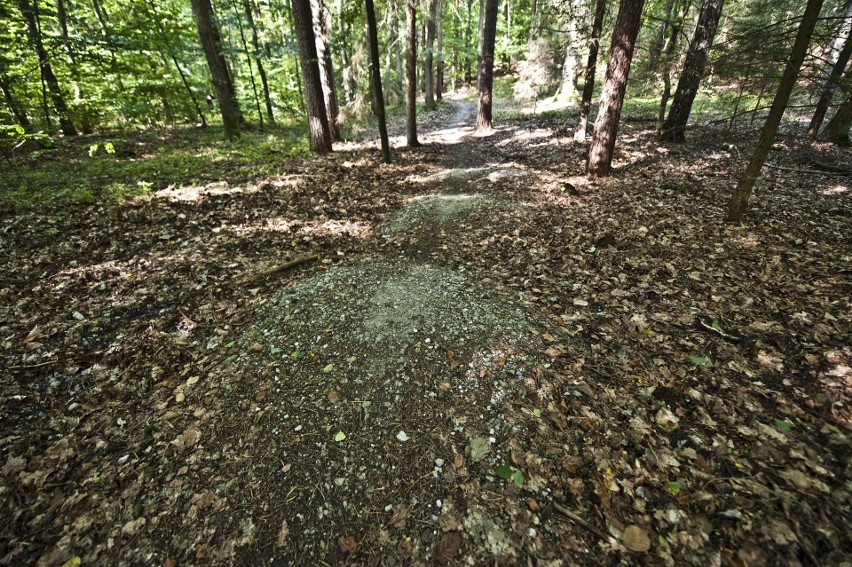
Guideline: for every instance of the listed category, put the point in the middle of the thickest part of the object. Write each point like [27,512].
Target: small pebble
[123,459]
[402,436]
[439,462]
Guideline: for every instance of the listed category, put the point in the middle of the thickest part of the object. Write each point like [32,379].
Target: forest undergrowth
[479,357]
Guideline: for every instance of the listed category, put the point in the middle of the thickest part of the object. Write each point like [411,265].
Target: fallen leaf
[340,436]
[447,547]
[333,397]
[347,543]
[479,447]
[283,533]
[636,539]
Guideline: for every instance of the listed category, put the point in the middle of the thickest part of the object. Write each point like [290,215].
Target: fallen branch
[830,167]
[280,268]
[577,519]
[811,171]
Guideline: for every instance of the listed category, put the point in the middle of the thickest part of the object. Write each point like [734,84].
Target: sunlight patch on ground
[332,228]
[751,241]
[836,190]
[526,136]
[195,193]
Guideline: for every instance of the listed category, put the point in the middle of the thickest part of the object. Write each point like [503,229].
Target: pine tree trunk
[211,43]
[329,92]
[248,8]
[320,131]
[248,55]
[411,73]
[693,71]
[30,13]
[667,80]
[831,81]
[591,68]
[657,46]
[837,129]
[489,35]
[739,200]
[439,67]
[568,82]
[376,79]
[428,59]
[615,85]
[533,14]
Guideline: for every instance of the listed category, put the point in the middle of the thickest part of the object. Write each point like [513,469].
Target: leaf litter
[558,334]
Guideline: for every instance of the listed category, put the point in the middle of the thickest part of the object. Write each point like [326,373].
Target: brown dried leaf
[447,547]
[347,543]
[636,539]
[334,397]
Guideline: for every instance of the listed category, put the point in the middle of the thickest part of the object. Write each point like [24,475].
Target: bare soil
[493,361]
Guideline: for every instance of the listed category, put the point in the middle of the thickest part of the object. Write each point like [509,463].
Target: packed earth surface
[470,356]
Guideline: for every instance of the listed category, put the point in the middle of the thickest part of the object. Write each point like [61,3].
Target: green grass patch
[143,161]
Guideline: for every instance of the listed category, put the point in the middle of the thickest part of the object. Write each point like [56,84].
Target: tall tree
[329,92]
[428,59]
[615,85]
[738,204]
[411,73]
[481,35]
[591,68]
[211,44]
[693,71]
[376,79]
[489,34]
[837,68]
[248,8]
[568,83]
[248,55]
[320,133]
[668,57]
[439,67]
[80,99]
[29,11]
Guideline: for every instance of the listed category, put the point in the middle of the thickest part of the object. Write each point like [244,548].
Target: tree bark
[568,82]
[739,200]
[329,92]
[14,106]
[830,84]
[211,43]
[248,55]
[248,8]
[657,46]
[489,34]
[80,99]
[411,73]
[533,14]
[615,85]
[591,68]
[30,13]
[428,59]
[439,67]
[376,79]
[320,131]
[837,129]
[693,71]
[479,45]
[667,81]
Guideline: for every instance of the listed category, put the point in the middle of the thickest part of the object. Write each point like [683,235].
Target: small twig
[797,170]
[577,519]
[280,268]
[39,365]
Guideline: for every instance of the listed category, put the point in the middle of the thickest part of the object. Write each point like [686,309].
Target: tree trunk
[211,43]
[79,99]
[657,46]
[533,14]
[831,81]
[479,45]
[16,109]
[667,80]
[411,73]
[591,68]
[317,118]
[615,85]
[439,67]
[30,13]
[329,92]
[248,8]
[568,82]
[489,34]
[376,79]
[693,70]
[428,75]
[837,129]
[739,200]
[248,55]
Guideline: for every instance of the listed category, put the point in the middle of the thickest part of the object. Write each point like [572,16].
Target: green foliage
[145,162]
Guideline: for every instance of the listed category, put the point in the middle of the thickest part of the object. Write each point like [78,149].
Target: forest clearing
[488,337]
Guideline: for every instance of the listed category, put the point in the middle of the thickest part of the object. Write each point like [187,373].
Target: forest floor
[490,360]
